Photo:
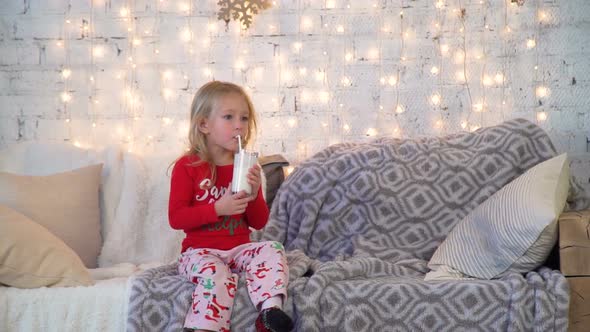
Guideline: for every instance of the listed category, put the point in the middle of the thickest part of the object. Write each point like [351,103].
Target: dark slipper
[273,320]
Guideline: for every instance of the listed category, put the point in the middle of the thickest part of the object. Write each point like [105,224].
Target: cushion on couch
[272,167]
[513,230]
[30,256]
[67,204]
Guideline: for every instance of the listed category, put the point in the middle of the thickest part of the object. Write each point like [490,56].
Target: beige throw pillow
[512,231]
[30,256]
[67,204]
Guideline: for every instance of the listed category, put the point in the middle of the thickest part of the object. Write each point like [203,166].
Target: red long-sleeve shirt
[191,208]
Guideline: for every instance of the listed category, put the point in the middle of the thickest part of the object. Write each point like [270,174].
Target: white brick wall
[299,113]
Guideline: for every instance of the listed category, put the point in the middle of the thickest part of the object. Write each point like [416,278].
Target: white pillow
[513,230]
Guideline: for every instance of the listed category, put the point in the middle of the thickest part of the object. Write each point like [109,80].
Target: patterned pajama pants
[215,273]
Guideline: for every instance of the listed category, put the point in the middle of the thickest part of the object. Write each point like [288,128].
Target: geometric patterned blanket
[360,222]
[397,199]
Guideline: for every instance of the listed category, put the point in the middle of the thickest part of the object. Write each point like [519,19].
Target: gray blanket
[360,221]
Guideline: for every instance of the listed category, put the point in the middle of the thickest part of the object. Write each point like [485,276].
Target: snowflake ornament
[242,10]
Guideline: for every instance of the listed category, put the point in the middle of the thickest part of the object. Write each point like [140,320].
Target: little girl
[217,244]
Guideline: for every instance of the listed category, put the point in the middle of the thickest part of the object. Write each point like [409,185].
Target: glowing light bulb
[459,56]
[340,29]
[185,7]
[240,64]
[167,93]
[440,4]
[399,109]
[542,91]
[478,108]
[258,72]
[98,51]
[499,78]
[392,80]
[543,17]
[306,23]
[305,96]
[324,96]
[66,97]
[286,75]
[531,43]
[371,132]
[346,127]
[186,35]
[320,75]
[541,116]
[346,81]
[434,70]
[292,122]
[348,57]
[373,53]
[460,76]
[444,49]
[123,12]
[435,99]
[297,46]
[167,74]
[66,72]
[487,80]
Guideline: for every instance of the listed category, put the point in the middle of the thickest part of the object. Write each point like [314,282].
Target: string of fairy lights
[316,84]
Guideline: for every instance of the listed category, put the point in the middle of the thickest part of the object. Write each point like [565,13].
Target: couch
[361,224]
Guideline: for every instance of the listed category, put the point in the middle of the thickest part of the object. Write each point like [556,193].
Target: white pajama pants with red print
[215,273]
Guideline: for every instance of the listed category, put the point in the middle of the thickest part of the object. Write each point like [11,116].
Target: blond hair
[201,109]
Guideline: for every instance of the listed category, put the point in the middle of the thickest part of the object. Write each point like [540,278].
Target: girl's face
[229,118]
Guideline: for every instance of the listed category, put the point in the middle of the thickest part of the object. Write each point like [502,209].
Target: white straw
[239,143]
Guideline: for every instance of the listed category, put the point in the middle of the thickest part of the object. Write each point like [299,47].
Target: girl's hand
[230,204]
[254,179]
